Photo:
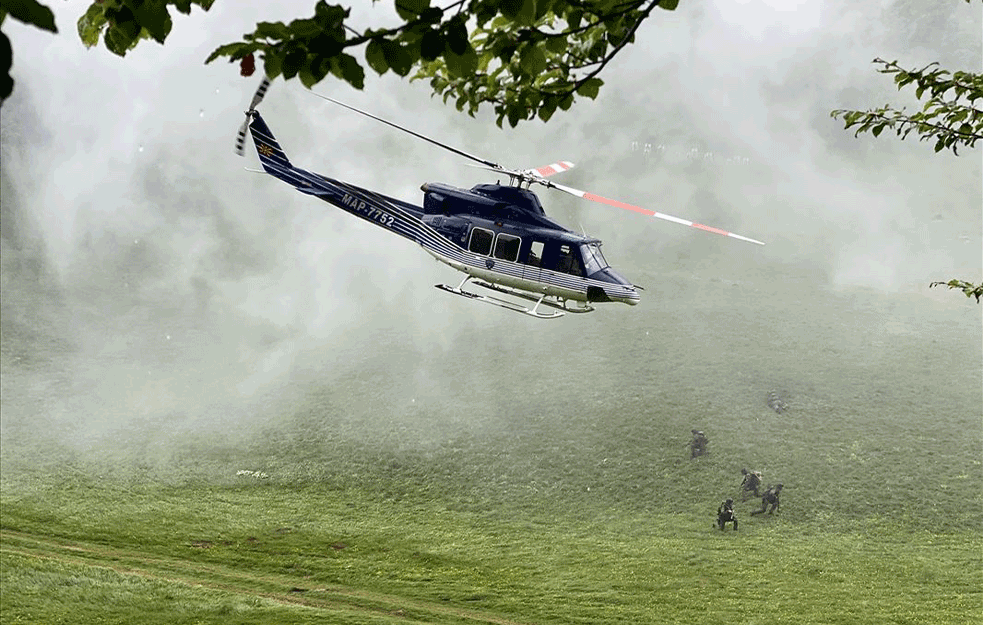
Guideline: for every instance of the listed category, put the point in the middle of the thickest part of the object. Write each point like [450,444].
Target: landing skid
[513,306]
[539,299]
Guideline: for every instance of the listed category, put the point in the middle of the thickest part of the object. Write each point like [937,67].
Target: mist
[152,285]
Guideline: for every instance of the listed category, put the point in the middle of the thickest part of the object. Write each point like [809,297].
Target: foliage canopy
[950,115]
[525,58]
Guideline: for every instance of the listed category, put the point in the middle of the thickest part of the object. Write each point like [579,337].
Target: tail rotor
[257,98]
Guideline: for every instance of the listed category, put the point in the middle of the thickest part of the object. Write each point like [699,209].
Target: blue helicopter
[498,235]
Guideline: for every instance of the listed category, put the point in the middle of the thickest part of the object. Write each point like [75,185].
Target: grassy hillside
[530,472]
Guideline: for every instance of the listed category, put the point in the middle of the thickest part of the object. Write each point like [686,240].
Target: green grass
[206,554]
[459,485]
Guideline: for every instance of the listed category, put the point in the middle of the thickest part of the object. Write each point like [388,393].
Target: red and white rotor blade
[645,211]
[549,170]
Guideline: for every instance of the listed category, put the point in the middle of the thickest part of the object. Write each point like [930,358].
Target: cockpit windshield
[593,259]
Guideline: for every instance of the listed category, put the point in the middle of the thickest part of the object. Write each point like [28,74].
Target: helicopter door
[533,263]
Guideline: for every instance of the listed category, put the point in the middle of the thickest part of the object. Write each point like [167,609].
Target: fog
[147,276]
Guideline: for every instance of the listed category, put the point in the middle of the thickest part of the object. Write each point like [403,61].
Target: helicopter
[498,235]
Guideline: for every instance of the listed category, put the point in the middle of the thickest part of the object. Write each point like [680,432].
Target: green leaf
[522,12]
[330,16]
[542,8]
[397,57]
[305,28]
[230,50]
[31,12]
[272,63]
[6,57]
[409,9]
[319,67]
[510,8]
[461,65]
[91,24]
[272,30]
[548,107]
[376,57]
[457,36]
[574,17]
[499,22]
[153,15]
[431,45]
[122,36]
[556,45]
[515,113]
[532,60]
[307,77]
[351,71]
[293,60]
[432,15]
[669,5]
[590,87]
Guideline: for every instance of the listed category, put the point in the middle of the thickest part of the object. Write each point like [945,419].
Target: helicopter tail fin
[271,155]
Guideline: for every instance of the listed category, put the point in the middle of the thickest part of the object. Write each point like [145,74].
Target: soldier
[752,480]
[725,514]
[770,497]
[775,403]
[698,446]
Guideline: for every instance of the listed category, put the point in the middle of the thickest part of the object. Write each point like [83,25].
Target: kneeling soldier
[770,497]
[725,514]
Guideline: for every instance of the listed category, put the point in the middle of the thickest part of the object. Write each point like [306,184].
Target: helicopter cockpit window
[568,262]
[593,259]
[507,247]
[481,241]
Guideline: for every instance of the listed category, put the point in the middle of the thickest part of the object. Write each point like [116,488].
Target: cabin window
[535,257]
[593,259]
[507,246]
[481,241]
[568,262]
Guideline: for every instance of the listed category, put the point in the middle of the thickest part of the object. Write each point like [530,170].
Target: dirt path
[279,588]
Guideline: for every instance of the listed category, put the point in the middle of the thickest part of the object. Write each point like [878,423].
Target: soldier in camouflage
[769,498]
[725,514]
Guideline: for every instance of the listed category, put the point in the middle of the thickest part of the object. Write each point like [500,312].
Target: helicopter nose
[631,296]
[624,293]
[617,289]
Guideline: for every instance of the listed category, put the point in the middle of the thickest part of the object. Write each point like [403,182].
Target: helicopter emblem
[498,235]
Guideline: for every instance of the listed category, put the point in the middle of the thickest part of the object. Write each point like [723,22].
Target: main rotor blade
[496,166]
[645,211]
[549,170]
